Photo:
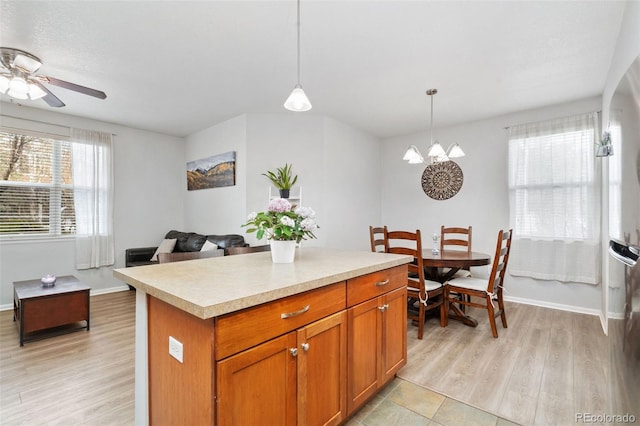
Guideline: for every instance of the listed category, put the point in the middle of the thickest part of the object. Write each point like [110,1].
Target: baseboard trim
[116,289]
[551,305]
[561,307]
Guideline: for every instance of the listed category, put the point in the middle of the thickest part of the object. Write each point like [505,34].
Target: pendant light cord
[298,28]
[431,118]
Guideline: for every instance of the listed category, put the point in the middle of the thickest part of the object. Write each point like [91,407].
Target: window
[555,200]
[36,186]
[615,177]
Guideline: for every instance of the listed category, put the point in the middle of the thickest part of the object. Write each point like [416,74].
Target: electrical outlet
[175,348]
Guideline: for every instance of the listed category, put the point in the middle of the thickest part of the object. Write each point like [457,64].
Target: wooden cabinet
[307,359]
[322,371]
[298,378]
[377,335]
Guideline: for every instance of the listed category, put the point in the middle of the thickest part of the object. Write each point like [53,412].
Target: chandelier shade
[455,151]
[413,156]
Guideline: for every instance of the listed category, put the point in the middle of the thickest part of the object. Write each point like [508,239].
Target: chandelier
[436,153]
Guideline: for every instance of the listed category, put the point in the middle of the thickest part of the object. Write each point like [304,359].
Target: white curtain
[554,197]
[93,198]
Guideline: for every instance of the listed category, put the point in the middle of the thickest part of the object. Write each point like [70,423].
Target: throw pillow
[208,245]
[166,246]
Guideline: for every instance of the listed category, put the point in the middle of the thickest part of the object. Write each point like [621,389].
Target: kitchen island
[241,340]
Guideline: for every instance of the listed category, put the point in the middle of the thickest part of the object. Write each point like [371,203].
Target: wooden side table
[39,308]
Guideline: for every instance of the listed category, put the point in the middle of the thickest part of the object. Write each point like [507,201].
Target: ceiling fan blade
[75,87]
[49,98]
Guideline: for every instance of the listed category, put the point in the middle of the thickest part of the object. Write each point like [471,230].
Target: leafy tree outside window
[36,186]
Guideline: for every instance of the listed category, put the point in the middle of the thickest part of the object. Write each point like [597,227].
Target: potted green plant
[605,146]
[283,179]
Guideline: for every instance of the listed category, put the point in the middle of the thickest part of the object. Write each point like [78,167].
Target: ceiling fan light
[17,95]
[455,151]
[4,83]
[18,85]
[297,100]
[413,156]
[36,92]
[26,63]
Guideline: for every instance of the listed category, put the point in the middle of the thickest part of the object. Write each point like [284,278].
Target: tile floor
[404,403]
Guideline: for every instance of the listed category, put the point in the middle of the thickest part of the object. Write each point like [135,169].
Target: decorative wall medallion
[442,180]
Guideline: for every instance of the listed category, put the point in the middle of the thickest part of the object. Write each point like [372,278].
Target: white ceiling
[177,67]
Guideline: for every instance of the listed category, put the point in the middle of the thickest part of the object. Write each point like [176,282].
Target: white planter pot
[283,251]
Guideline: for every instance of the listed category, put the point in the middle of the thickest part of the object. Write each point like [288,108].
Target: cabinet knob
[305,346]
[294,351]
[384,307]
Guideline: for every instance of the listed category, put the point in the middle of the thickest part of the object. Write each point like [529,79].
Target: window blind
[36,186]
[554,199]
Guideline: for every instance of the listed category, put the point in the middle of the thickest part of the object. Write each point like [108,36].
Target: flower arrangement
[280,223]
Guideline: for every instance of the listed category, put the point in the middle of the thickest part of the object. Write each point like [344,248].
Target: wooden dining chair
[456,238]
[428,294]
[377,237]
[487,290]
[243,250]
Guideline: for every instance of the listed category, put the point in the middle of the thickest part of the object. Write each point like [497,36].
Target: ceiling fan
[19,80]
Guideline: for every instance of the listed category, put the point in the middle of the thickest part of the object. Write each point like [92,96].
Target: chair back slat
[454,237]
[378,239]
[409,243]
[500,260]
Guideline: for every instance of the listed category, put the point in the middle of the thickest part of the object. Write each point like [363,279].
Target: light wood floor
[547,366]
[544,368]
[74,379]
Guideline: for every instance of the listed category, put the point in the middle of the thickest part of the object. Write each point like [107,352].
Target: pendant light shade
[298,100]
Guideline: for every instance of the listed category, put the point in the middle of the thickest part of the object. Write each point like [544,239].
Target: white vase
[283,251]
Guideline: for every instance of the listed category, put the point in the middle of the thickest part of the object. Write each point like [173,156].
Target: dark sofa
[186,242]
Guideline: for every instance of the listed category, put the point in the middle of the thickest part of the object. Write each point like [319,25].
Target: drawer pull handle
[381,283]
[296,313]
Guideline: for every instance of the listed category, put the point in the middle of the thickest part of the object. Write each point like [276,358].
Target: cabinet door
[394,333]
[322,369]
[364,349]
[258,386]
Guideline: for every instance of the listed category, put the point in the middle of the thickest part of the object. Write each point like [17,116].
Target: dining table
[441,267]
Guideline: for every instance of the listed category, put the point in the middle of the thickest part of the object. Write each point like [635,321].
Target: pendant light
[436,152]
[297,100]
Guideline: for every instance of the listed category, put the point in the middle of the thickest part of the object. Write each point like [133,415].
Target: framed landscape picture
[212,172]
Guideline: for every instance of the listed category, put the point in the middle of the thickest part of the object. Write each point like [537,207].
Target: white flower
[305,212]
[251,216]
[287,221]
[308,225]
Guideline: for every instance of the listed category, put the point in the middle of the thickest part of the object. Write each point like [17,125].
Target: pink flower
[279,205]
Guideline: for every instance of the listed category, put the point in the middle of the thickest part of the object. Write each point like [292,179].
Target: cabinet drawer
[240,330]
[372,285]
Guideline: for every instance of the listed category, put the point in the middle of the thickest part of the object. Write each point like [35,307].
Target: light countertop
[207,288]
